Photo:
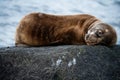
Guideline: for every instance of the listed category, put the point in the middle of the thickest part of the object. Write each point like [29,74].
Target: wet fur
[39,29]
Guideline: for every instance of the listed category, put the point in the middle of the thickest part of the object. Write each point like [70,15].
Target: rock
[70,62]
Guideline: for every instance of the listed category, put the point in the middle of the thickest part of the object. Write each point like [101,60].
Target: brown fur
[39,29]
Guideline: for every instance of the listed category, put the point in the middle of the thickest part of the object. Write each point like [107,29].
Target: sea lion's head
[101,34]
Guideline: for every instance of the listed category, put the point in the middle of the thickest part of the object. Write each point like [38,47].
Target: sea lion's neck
[84,25]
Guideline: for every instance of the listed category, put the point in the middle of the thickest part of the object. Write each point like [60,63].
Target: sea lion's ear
[106,30]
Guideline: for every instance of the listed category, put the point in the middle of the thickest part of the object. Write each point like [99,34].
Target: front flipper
[55,43]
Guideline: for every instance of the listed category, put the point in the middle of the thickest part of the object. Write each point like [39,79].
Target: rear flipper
[21,45]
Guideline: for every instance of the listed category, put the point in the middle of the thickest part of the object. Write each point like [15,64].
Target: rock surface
[70,62]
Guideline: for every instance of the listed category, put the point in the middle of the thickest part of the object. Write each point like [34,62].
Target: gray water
[12,11]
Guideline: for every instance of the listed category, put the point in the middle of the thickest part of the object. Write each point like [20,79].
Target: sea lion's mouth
[89,42]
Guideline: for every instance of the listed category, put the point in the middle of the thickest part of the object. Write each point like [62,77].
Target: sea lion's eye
[99,33]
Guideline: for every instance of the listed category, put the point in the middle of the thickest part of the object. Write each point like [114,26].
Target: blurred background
[12,11]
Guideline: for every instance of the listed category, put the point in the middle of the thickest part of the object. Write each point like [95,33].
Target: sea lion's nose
[87,36]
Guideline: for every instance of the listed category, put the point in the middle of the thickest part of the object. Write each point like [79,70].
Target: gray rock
[70,62]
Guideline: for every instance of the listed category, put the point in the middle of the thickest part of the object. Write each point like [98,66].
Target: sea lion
[40,29]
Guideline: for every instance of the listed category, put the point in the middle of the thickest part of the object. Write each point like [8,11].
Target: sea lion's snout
[93,37]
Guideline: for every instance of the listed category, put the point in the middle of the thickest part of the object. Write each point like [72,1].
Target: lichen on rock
[70,62]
